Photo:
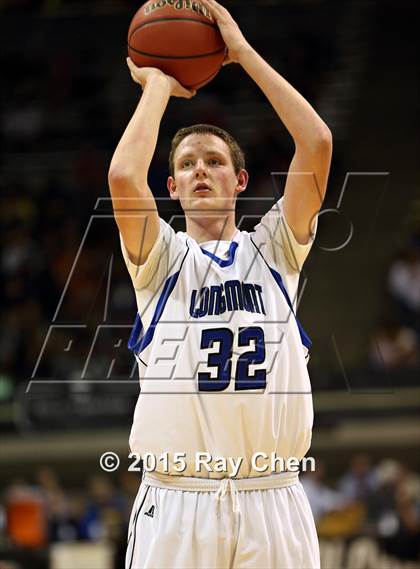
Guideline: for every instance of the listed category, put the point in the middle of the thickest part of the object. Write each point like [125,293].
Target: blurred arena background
[67,383]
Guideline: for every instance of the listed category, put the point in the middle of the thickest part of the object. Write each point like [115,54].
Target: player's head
[236,152]
[207,169]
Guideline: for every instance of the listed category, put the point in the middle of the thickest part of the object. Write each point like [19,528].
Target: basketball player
[220,352]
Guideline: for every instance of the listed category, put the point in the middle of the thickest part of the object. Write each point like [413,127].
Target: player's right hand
[142,75]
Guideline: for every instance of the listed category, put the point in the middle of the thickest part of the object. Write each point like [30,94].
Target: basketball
[180,38]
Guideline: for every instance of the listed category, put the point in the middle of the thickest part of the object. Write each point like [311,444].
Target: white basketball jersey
[220,352]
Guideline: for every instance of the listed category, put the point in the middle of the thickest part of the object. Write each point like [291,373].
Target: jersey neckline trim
[223,262]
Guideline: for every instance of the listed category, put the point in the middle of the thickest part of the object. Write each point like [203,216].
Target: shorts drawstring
[228,485]
[221,487]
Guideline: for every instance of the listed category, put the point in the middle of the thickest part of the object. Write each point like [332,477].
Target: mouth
[202,188]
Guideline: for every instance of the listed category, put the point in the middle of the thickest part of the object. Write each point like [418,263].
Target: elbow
[323,140]
[123,175]
[320,145]
[121,180]
[120,184]
[124,183]
[118,176]
[317,143]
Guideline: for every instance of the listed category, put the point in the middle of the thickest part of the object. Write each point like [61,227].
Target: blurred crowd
[378,500]
[39,512]
[381,501]
[395,344]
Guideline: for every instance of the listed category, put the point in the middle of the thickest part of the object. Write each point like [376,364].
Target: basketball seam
[171,20]
[145,53]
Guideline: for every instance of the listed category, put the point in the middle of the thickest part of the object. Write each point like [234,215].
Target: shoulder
[274,236]
[167,251]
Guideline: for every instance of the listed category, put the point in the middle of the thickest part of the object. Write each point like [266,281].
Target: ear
[242,181]
[171,185]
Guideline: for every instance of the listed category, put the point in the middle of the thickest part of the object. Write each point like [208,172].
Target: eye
[214,162]
[187,163]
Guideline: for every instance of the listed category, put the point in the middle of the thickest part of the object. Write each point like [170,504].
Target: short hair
[236,152]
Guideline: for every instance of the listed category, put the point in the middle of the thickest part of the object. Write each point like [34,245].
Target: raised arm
[133,202]
[308,173]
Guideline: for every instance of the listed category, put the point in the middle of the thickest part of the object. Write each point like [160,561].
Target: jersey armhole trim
[306,341]
[139,341]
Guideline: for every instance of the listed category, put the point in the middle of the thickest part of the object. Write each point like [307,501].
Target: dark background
[67,383]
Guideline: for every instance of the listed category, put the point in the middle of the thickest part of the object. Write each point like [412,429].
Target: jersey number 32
[221,360]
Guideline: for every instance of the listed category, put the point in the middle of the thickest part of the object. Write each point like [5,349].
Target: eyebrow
[189,154]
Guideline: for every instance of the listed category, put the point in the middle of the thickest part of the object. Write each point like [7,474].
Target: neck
[209,228]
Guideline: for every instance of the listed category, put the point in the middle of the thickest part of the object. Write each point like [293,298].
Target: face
[204,176]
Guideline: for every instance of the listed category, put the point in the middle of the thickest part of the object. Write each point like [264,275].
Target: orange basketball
[180,37]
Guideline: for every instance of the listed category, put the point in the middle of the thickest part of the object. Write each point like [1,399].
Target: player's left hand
[232,35]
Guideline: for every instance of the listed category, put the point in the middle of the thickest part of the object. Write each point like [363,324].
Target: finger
[214,4]
[188,93]
[130,63]
[226,59]
[135,79]
[207,5]
[212,8]
[217,8]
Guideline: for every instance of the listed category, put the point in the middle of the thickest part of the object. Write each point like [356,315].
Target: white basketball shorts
[179,522]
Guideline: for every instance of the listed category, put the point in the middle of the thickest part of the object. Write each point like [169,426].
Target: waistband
[195,484]
[221,487]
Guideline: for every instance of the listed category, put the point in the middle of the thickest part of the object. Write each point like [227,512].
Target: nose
[200,169]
